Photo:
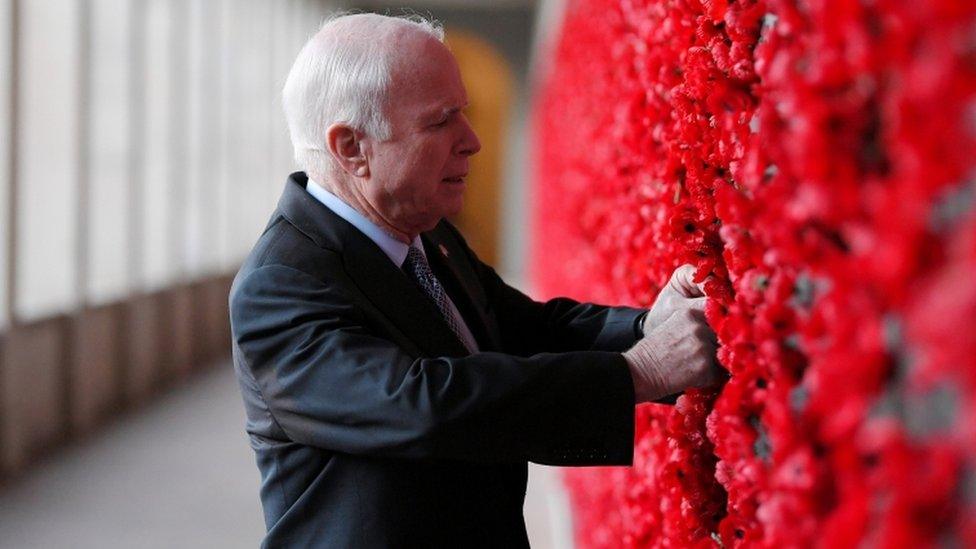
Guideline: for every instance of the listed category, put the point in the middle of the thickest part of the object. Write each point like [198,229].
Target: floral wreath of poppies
[818,160]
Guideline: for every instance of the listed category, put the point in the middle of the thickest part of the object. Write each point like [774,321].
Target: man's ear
[347,149]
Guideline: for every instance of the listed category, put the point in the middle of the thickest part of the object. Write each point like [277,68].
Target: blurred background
[143,149]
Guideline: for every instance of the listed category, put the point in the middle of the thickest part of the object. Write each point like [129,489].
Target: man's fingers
[698,303]
[683,281]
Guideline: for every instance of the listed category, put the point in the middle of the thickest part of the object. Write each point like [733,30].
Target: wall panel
[228,153]
[6,81]
[256,83]
[157,174]
[110,150]
[47,133]
[283,54]
[177,226]
[31,391]
[202,135]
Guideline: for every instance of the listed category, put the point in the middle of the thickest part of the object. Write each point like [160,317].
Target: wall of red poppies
[818,159]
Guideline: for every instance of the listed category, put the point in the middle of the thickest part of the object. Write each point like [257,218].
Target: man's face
[417,177]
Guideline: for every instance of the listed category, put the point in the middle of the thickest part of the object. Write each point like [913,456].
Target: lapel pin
[443,250]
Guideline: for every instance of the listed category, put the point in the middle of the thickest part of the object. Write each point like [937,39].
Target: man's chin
[451,200]
[455,209]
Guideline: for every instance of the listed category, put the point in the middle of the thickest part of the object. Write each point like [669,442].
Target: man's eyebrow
[444,111]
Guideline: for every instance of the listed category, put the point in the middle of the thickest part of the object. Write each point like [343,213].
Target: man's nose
[469,144]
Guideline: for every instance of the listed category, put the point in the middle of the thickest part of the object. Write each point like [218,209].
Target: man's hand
[673,297]
[677,354]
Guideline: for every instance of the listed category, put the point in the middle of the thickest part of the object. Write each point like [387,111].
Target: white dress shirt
[393,248]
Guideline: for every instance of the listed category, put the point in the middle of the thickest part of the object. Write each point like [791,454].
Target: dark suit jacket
[371,424]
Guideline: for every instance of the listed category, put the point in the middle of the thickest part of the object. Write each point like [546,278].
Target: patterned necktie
[417,268]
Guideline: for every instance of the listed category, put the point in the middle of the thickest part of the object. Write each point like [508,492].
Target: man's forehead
[416,55]
[426,78]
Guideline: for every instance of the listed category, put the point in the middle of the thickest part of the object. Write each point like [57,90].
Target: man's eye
[441,123]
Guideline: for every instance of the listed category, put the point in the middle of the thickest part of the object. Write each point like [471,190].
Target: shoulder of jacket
[283,250]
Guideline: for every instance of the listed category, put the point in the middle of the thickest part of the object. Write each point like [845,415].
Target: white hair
[342,75]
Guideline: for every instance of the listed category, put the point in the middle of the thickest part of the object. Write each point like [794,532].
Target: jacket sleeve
[328,382]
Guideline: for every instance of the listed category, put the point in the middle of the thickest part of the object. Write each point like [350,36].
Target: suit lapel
[405,304]
[383,283]
[449,262]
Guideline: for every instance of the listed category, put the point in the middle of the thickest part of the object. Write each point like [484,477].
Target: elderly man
[395,386]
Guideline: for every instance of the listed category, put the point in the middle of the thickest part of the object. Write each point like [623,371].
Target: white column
[110,150]
[6,30]
[284,52]
[201,135]
[47,160]
[228,150]
[157,175]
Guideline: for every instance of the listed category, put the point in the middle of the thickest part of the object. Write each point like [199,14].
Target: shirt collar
[393,248]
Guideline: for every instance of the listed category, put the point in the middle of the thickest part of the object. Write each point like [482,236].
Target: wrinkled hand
[675,296]
[677,354]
